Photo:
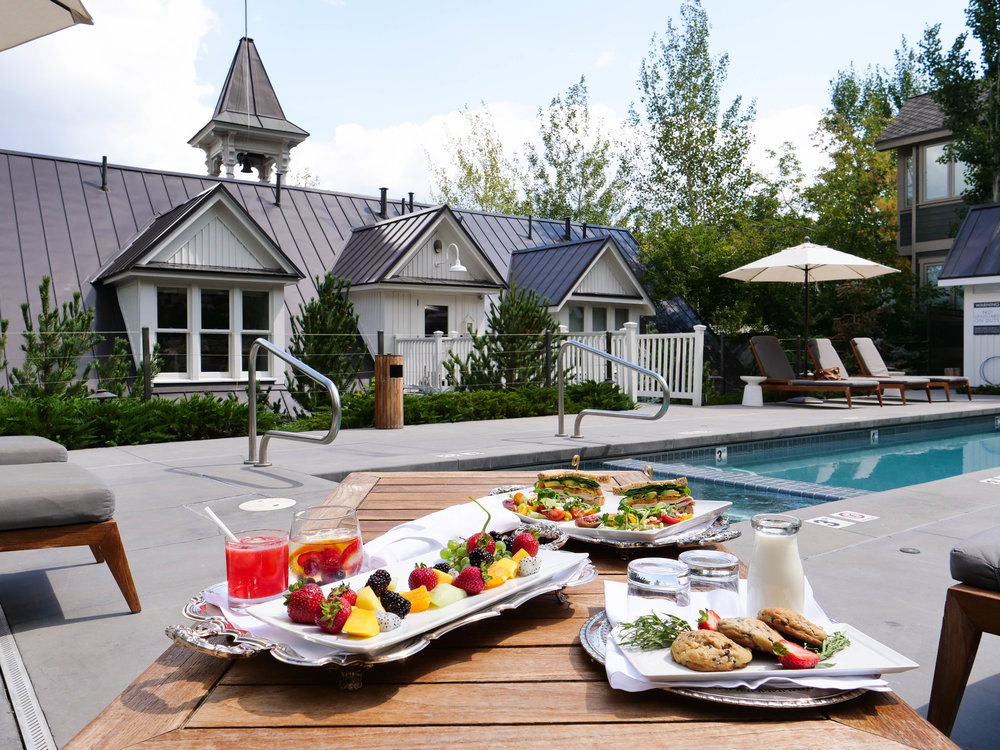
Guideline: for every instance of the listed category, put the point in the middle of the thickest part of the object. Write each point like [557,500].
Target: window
[621,317]
[435,319]
[941,180]
[203,343]
[600,315]
[907,193]
[575,318]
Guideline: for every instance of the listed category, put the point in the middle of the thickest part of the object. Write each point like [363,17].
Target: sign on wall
[985,318]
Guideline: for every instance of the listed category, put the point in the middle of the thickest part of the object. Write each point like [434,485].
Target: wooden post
[388,391]
[147,369]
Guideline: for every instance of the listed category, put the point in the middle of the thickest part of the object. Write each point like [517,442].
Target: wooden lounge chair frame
[102,538]
[781,384]
[933,384]
[969,612]
[883,385]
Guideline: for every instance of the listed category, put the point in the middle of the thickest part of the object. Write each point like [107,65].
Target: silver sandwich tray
[594,636]
[214,635]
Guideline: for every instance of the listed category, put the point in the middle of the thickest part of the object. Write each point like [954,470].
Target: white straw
[211,514]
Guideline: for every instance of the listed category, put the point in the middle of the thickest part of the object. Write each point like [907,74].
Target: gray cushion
[976,560]
[826,356]
[29,449]
[51,494]
[773,360]
[871,361]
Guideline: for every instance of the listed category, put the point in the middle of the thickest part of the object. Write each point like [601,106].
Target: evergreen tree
[325,336]
[52,353]
[511,353]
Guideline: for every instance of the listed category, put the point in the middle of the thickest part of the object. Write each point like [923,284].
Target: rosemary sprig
[834,643]
[649,632]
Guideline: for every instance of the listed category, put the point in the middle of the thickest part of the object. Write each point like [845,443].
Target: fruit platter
[643,514]
[392,612]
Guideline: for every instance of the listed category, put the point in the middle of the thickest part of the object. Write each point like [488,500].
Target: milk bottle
[775,578]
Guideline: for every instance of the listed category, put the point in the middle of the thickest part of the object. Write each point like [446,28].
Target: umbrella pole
[805,326]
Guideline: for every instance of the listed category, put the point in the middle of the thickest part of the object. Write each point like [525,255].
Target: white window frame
[950,170]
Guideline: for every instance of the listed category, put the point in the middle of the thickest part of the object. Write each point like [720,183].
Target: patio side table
[753,394]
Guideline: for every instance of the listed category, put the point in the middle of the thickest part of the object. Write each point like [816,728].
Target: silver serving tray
[720,531]
[594,636]
[212,625]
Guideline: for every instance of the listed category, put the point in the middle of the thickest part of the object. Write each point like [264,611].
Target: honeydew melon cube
[361,623]
[368,600]
[444,594]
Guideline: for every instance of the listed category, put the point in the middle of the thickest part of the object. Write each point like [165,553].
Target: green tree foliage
[578,170]
[696,168]
[481,176]
[52,353]
[325,336]
[511,353]
[969,97]
[119,376]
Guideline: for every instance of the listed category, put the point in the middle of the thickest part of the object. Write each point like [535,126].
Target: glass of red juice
[256,566]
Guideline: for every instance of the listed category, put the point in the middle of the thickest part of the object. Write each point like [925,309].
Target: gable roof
[975,253]
[162,226]
[919,119]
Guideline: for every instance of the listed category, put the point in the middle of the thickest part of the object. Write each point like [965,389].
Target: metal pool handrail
[605,412]
[323,380]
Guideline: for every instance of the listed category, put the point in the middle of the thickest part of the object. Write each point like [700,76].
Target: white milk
[775,578]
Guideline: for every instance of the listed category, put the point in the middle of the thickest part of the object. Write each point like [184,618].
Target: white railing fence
[678,357]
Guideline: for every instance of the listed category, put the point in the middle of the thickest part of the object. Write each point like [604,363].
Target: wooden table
[520,679]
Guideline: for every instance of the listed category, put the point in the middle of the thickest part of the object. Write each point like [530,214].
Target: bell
[247,165]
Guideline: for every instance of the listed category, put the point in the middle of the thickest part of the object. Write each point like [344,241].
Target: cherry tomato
[554,514]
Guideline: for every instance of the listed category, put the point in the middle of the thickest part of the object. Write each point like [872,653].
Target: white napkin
[623,676]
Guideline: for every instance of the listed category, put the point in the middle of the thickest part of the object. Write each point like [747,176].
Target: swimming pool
[788,473]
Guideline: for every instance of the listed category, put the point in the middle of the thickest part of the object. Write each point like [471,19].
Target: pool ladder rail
[560,377]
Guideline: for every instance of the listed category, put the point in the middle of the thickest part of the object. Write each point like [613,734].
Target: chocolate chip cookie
[793,626]
[750,632]
[709,651]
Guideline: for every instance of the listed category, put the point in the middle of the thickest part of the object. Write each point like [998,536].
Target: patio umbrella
[24,20]
[806,263]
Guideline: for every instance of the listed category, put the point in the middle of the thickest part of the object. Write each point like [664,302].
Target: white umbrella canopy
[24,20]
[807,263]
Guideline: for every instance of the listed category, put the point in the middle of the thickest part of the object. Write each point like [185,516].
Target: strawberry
[793,656]
[482,540]
[526,541]
[310,563]
[303,601]
[352,557]
[471,580]
[421,575]
[709,619]
[333,613]
[329,565]
[344,590]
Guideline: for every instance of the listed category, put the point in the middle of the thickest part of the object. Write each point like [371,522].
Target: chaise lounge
[872,365]
[47,502]
[826,358]
[774,366]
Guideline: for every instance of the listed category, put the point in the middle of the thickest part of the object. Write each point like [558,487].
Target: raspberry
[379,581]
[395,603]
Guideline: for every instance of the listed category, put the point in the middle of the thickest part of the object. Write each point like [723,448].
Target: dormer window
[942,180]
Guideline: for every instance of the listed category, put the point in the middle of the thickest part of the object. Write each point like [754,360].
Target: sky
[379,85]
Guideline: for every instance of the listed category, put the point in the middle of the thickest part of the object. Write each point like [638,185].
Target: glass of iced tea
[256,566]
[325,544]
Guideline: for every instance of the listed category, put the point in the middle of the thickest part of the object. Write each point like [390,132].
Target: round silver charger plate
[720,531]
[594,637]
[213,634]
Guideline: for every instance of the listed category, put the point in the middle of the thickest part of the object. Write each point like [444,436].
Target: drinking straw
[211,514]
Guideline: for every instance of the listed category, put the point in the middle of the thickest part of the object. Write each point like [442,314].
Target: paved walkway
[81,647]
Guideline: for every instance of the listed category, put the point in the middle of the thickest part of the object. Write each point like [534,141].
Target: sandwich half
[581,484]
[647,494]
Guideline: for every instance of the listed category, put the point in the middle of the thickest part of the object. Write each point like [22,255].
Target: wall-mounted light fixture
[458,267]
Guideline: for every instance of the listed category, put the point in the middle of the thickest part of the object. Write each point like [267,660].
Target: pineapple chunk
[505,567]
[520,555]
[442,576]
[368,600]
[361,623]
[419,598]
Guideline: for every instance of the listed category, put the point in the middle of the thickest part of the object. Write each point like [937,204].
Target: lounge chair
[826,358]
[774,366]
[872,365]
[971,608]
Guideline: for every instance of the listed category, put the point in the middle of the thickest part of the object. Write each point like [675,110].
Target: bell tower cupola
[248,128]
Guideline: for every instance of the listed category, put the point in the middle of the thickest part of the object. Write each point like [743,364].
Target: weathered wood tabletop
[517,680]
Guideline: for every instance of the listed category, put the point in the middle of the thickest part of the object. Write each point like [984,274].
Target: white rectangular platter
[865,656]
[554,563]
[704,511]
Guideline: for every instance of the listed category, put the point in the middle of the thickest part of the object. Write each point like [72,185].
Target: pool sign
[853,515]
[985,318]
[833,523]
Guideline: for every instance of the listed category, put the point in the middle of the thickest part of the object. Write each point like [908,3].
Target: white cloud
[795,124]
[605,59]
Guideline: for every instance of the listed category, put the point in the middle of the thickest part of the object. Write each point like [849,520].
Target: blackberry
[442,566]
[507,539]
[379,581]
[478,556]
[395,603]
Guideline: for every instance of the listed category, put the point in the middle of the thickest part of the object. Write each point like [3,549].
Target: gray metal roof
[976,249]
[56,220]
[919,116]
[552,272]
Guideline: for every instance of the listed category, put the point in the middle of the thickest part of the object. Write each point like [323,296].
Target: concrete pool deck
[81,647]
